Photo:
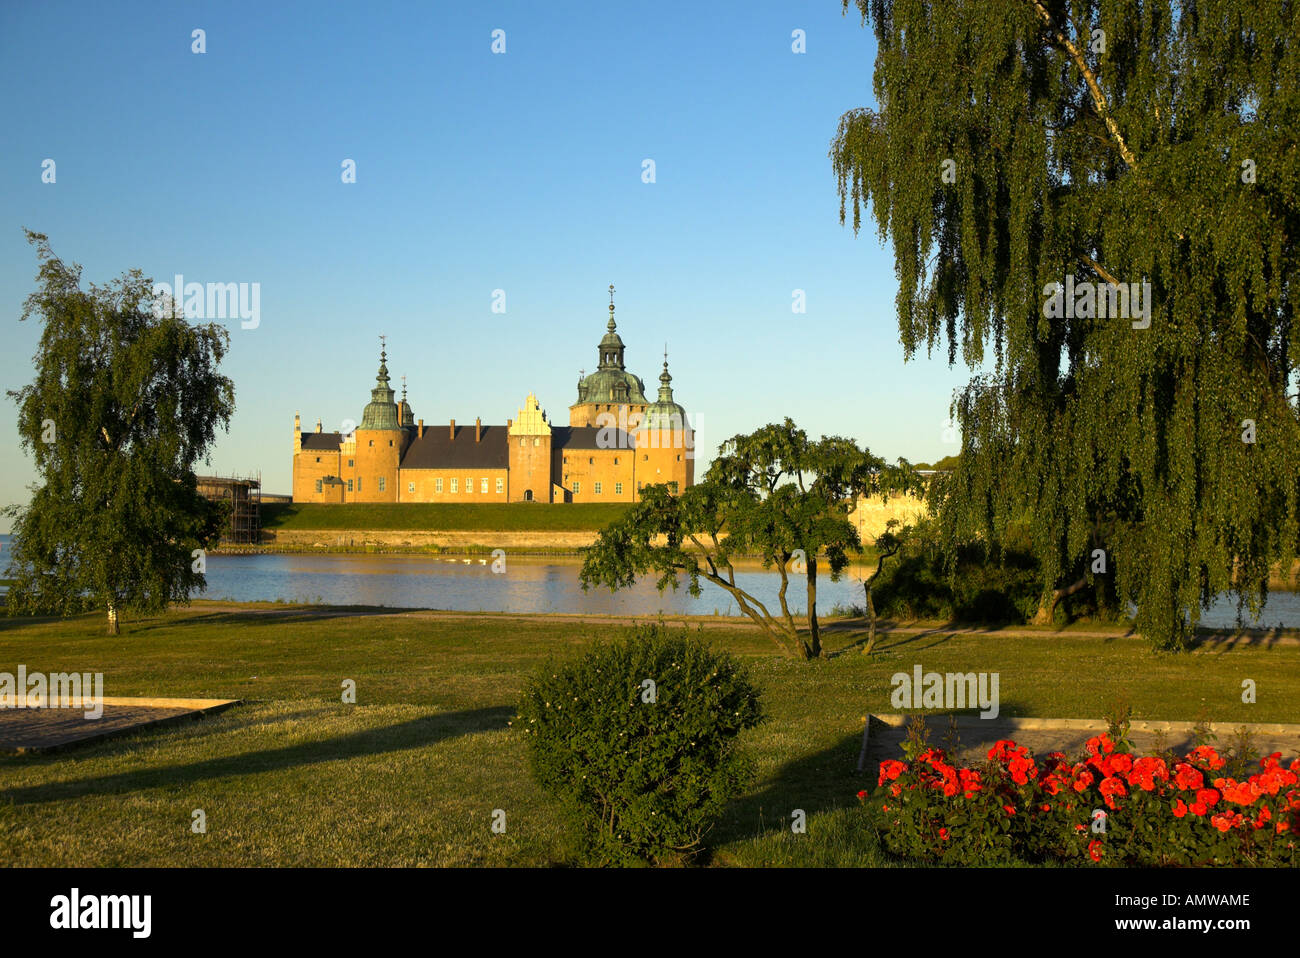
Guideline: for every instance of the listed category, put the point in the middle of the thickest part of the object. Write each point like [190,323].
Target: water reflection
[551,585]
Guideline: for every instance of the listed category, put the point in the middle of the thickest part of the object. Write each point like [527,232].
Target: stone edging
[896,720]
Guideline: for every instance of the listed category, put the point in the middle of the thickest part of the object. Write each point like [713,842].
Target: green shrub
[641,780]
[988,583]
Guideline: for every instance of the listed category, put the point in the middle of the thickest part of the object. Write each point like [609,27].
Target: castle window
[382,481]
[591,462]
[672,487]
[537,442]
[372,442]
[618,488]
[679,457]
[318,485]
[522,442]
[598,488]
[349,485]
[352,463]
[577,487]
[482,485]
[390,442]
[454,483]
[358,483]
[501,485]
[645,458]
[616,460]
[566,460]
[469,484]
[410,487]
[318,458]
[437,484]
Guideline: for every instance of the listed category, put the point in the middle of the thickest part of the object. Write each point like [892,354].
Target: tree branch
[1098,98]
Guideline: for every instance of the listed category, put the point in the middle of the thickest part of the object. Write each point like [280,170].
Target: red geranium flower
[1188,777]
[890,770]
[1111,787]
[1094,849]
[1208,755]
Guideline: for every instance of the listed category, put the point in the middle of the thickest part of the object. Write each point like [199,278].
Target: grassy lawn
[452,516]
[411,774]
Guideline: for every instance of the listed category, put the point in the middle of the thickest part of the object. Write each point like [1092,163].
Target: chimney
[318,424]
[420,433]
[478,428]
[453,430]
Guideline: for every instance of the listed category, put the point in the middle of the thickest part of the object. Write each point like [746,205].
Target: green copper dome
[405,413]
[381,412]
[664,413]
[611,382]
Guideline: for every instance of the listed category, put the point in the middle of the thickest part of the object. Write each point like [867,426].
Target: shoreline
[1205,638]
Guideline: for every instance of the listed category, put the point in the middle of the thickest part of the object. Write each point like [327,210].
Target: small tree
[772,494]
[123,404]
[888,544]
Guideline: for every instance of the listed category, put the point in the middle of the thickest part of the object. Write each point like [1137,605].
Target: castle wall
[308,467]
[378,451]
[530,468]
[613,470]
[421,485]
[587,414]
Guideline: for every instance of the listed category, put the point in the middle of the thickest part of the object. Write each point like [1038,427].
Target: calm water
[471,585]
[404,581]
[550,586]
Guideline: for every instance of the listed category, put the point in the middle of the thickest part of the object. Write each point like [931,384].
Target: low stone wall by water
[410,538]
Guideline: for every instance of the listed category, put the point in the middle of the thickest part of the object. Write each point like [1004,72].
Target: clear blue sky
[475,172]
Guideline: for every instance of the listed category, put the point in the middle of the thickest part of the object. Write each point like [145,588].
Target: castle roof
[381,412]
[322,441]
[611,382]
[564,438]
[437,450]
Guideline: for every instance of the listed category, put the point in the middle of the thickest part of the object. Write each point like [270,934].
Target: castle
[616,444]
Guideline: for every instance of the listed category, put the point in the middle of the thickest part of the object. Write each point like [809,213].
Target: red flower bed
[1109,807]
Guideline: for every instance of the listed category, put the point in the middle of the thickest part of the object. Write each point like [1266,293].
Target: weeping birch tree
[1092,204]
[124,400]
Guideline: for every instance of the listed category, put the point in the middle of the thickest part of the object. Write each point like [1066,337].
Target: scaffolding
[243,497]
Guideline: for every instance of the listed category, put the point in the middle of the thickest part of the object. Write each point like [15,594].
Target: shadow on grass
[416,733]
[815,783]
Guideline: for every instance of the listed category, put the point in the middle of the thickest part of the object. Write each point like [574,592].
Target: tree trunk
[871,620]
[1047,604]
[871,604]
[113,628]
[815,639]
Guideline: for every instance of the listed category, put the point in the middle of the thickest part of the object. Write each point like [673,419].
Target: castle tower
[665,443]
[404,413]
[380,442]
[530,455]
[611,391]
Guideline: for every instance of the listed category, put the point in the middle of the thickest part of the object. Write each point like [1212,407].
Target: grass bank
[467,517]
[411,774]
